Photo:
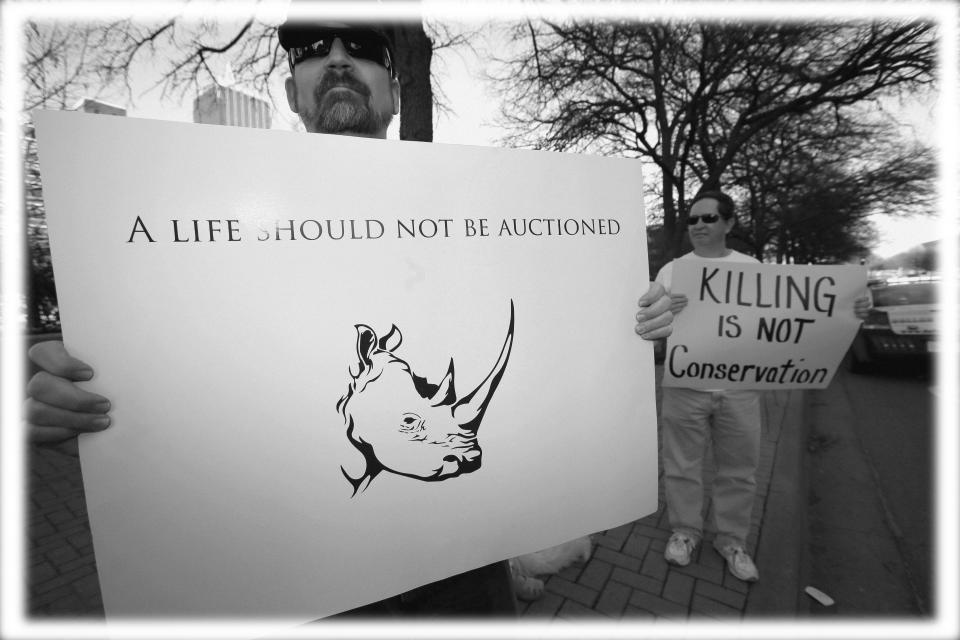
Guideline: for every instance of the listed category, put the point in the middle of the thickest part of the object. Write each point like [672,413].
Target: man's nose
[338,56]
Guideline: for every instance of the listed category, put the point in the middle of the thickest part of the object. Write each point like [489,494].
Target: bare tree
[807,186]
[690,96]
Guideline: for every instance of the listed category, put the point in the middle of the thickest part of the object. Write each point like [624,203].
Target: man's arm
[57,410]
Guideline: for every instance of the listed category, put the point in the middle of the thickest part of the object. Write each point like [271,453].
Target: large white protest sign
[761,326]
[276,317]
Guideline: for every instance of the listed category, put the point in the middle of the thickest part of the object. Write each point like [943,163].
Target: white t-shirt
[665,275]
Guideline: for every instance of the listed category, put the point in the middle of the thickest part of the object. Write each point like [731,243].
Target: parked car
[901,326]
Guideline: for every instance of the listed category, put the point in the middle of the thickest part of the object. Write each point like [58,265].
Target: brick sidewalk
[626,577]
[61,564]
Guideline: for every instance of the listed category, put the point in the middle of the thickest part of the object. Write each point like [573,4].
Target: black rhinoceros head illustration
[404,424]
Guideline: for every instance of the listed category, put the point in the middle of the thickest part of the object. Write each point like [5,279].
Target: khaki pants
[732,420]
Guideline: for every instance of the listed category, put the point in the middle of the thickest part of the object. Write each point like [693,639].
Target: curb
[782,546]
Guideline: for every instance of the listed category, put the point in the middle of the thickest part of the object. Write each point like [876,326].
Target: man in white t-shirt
[731,418]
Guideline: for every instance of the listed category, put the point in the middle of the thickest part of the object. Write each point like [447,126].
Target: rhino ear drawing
[392,340]
[445,393]
[366,342]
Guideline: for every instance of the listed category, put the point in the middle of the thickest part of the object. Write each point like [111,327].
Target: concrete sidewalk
[626,577]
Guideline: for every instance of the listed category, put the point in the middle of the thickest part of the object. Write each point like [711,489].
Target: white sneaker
[739,563]
[679,549]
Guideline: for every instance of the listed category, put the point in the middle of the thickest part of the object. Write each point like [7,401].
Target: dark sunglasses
[365,44]
[708,218]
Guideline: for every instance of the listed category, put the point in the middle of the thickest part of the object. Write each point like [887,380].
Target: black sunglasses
[365,44]
[708,218]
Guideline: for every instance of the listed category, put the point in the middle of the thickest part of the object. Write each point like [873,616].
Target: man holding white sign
[729,414]
[343,82]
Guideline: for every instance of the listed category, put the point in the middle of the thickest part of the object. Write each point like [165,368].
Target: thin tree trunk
[414,53]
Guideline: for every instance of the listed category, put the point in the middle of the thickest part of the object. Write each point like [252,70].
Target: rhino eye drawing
[411,422]
[404,424]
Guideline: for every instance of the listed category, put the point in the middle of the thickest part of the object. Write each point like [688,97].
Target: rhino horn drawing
[404,424]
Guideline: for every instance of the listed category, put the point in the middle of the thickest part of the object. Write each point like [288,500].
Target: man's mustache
[334,79]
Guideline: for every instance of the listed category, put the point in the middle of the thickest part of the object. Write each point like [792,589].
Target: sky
[461,73]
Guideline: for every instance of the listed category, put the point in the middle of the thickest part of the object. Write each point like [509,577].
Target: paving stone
[41,529]
[654,565]
[42,497]
[62,554]
[613,599]
[546,606]
[622,531]
[730,598]
[572,591]
[86,550]
[78,506]
[63,579]
[575,611]
[71,604]
[60,516]
[734,584]
[711,559]
[49,541]
[40,601]
[618,559]
[609,542]
[699,571]
[678,588]
[81,561]
[655,533]
[713,608]
[68,529]
[636,545]
[41,572]
[637,581]
[595,574]
[95,604]
[571,573]
[632,612]
[657,605]
[80,538]
[88,585]
[36,557]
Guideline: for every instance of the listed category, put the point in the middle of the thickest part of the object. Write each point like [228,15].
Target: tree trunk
[414,53]
[671,237]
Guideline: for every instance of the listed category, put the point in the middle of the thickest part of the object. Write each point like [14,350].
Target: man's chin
[343,117]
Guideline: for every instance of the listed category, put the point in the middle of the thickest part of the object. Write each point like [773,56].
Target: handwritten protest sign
[276,317]
[761,326]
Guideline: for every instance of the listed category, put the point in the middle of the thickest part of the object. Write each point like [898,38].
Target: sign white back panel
[230,285]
